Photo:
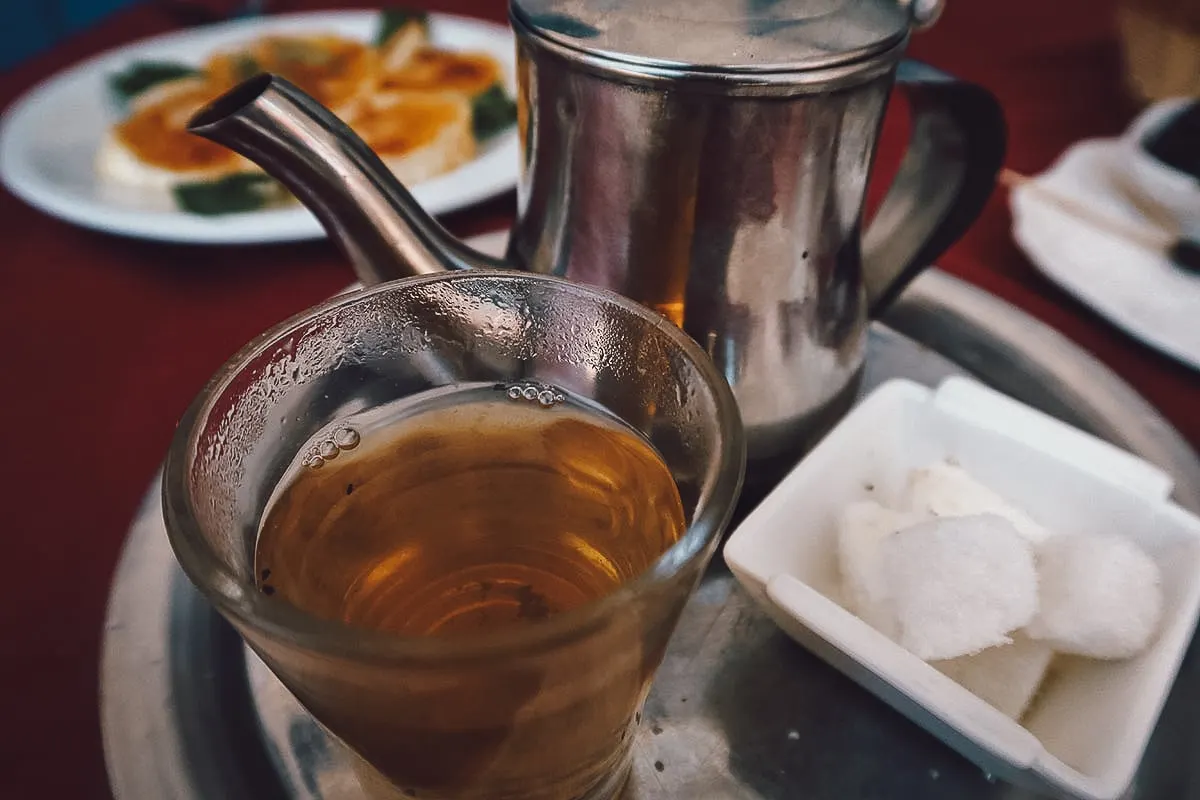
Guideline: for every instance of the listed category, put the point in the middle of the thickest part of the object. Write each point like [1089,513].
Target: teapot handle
[947,175]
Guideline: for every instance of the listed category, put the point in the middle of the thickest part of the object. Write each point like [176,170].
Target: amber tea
[466,510]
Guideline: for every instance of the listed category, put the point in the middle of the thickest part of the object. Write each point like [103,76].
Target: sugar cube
[946,490]
[1007,677]
[862,527]
[959,585]
[1100,596]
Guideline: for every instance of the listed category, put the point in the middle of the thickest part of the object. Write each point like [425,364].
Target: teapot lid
[727,36]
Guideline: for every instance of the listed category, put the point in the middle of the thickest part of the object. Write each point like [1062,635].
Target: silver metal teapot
[707,158]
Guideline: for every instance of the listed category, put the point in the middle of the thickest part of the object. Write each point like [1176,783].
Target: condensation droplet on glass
[514,392]
[530,392]
[346,438]
[328,449]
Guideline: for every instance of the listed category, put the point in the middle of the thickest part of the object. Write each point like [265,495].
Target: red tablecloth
[106,340]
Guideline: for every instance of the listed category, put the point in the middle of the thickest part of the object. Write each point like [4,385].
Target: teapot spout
[370,215]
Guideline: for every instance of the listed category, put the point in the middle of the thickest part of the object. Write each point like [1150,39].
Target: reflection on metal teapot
[708,164]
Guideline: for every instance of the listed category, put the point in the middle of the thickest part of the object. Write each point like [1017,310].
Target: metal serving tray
[738,710]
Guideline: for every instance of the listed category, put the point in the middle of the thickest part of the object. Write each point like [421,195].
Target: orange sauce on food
[331,69]
[157,133]
[409,111]
[433,69]
[405,125]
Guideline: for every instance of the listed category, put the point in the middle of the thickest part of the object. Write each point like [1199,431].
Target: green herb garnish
[393,19]
[232,194]
[142,75]
[492,112]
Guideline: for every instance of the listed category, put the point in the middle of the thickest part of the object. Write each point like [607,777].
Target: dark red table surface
[105,341]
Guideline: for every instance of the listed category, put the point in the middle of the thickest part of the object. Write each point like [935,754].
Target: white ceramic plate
[48,138]
[1133,287]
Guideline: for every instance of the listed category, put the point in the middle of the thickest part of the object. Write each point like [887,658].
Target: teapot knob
[924,12]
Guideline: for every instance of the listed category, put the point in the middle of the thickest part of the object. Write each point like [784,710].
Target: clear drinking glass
[541,712]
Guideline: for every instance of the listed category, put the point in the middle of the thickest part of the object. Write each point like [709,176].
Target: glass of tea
[458,516]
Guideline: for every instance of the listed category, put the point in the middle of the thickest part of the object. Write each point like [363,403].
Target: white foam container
[1087,731]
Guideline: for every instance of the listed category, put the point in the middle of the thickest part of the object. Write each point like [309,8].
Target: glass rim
[243,603]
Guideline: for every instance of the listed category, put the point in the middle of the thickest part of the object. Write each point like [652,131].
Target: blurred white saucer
[1134,287]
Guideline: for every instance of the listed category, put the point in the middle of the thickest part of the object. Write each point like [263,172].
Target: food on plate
[407,62]
[959,585]
[1100,596]
[419,135]
[152,149]
[987,595]
[431,69]
[338,72]
[401,33]
[424,109]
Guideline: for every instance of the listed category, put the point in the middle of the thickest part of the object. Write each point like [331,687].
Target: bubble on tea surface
[346,438]
[540,393]
[328,449]
[314,461]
